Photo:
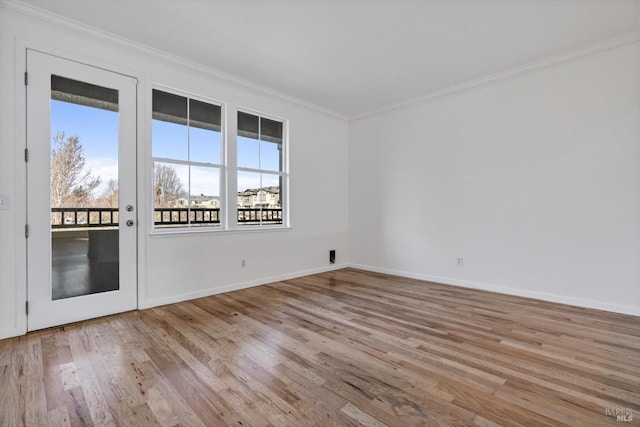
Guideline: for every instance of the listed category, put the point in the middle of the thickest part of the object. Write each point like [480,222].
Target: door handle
[130,223]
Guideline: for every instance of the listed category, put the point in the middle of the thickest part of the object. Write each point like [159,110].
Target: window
[187,161]
[262,172]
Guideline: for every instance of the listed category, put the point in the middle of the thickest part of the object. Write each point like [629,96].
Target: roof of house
[254,191]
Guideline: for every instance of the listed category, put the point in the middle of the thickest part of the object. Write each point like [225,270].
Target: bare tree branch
[72,185]
[167,186]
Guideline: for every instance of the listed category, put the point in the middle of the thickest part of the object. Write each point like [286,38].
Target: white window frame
[284,173]
[222,167]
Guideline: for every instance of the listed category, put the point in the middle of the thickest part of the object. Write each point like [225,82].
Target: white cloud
[247,180]
[104,167]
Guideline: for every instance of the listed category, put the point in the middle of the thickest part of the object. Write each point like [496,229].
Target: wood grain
[345,348]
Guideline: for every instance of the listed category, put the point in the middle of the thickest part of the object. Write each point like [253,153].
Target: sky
[98,132]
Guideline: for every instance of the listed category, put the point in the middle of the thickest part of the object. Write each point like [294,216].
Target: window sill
[223,231]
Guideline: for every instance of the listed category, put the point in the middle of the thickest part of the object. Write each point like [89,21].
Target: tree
[71,184]
[109,197]
[167,186]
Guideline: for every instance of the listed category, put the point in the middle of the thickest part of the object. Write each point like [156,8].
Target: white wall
[8,224]
[534,180]
[175,268]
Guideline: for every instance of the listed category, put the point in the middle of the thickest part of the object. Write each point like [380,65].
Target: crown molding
[51,18]
[118,41]
[509,73]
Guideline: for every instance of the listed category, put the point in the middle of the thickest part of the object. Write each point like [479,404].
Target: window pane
[248,152]
[205,182]
[248,182]
[248,125]
[204,146]
[270,130]
[205,196]
[170,140]
[169,107]
[270,156]
[171,182]
[204,132]
[259,198]
[81,93]
[248,140]
[248,207]
[169,126]
[272,184]
[204,115]
[270,199]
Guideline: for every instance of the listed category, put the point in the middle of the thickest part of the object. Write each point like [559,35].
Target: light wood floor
[340,348]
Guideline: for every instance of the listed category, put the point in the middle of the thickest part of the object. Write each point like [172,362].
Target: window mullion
[184,162]
[269,172]
[231,148]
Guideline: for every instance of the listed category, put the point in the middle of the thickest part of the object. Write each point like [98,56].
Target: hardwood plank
[59,417]
[360,416]
[12,399]
[345,348]
[35,396]
[53,382]
[76,409]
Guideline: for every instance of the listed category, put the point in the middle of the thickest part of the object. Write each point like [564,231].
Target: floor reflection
[75,273]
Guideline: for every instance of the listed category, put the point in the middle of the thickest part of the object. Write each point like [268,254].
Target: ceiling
[357,56]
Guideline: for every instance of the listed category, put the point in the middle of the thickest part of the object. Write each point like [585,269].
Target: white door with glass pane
[81,191]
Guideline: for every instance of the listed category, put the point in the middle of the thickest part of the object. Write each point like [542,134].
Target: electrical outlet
[459,262]
[243,263]
[332,256]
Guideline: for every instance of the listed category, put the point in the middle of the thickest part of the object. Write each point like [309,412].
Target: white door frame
[39,247]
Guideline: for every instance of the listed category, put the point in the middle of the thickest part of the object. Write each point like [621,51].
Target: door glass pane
[84,188]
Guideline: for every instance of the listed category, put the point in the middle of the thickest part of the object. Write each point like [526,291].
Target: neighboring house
[245,198]
[200,201]
[267,197]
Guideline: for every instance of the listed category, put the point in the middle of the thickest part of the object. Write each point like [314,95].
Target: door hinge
[26,154]
[26,231]
[26,307]
[26,78]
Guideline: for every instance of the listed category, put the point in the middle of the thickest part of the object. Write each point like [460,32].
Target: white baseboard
[237,286]
[544,296]
[579,302]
